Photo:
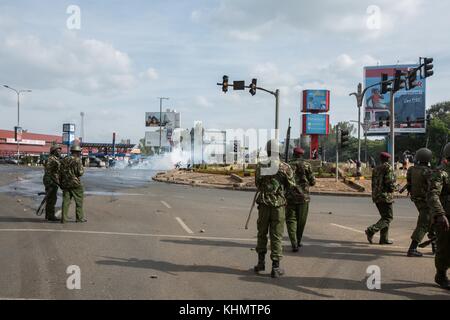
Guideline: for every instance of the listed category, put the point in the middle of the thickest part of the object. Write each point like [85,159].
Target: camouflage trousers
[77,194]
[271,221]
[296,216]
[442,258]
[423,222]
[382,226]
[51,191]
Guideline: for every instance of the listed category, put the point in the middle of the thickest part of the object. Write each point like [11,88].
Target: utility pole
[359,99]
[337,152]
[18,92]
[160,121]
[82,114]
[392,127]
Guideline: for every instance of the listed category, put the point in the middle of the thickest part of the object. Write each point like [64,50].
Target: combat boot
[369,236]
[294,247]
[261,266]
[276,270]
[442,280]
[412,252]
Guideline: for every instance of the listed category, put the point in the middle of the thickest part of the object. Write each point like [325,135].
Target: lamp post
[160,121]
[18,92]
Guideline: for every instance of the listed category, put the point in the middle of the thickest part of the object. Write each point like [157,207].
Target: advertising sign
[68,138]
[316,101]
[316,124]
[18,133]
[26,141]
[169,119]
[410,105]
[152,139]
[68,127]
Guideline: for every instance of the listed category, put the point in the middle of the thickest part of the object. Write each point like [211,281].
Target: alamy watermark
[73,282]
[74,20]
[374,18]
[374,278]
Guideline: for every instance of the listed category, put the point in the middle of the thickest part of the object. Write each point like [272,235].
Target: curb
[253,189]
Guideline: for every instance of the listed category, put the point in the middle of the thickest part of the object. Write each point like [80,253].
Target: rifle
[251,209]
[427,243]
[403,189]
[41,208]
[288,141]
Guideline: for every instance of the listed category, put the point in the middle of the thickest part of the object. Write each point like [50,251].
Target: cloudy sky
[128,53]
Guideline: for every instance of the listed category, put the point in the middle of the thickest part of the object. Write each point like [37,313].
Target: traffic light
[253,87]
[388,122]
[428,67]
[428,119]
[345,138]
[412,79]
[235,147]
[385,83]
[399,82]
[225,84]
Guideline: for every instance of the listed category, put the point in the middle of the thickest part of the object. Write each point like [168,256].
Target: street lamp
[160,121]
[18,92]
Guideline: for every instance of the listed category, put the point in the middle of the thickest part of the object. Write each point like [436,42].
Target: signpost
[68,135]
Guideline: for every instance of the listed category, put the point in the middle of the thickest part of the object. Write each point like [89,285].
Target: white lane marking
[166,204]
[359,231]
[347,228]
[184,226]
[148,235]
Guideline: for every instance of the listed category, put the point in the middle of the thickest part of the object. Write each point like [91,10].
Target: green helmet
[54,148]
[424,155]
[75,148]
[447,151]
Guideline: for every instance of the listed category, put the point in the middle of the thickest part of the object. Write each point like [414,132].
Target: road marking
[184,226]
[148,235]
[347,228]
[359,231]
[166,204]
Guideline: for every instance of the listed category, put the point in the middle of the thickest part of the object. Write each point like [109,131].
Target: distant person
[51,181]
[383,187]
[71,172]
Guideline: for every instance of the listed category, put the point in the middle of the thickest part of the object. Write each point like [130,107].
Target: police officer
[417,185]
[439,203]
[383,187]
[71,172]
[273,179]
[298,199]
[51,181]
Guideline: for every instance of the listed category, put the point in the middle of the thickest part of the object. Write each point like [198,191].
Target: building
[31,144]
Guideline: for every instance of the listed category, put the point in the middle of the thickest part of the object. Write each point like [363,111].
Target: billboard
[316,124]
[410,105]
[169,119]
[152,139]
[316,101]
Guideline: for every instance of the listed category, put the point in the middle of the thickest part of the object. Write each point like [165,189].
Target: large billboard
[410,105]
[316,124]
[169,119]
[316,101]
[152,139]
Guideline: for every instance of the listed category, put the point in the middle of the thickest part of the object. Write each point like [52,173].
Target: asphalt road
[147,240]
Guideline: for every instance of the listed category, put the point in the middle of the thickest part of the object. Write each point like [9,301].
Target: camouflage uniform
[298,200]
[271,202]
[439,203]
[71,171]
[417,185]
[383,187]
[51,183]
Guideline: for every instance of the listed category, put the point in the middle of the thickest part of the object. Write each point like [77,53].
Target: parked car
[9,161]
[96,162]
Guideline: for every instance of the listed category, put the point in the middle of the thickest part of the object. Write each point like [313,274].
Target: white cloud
[83,65]
[150,74]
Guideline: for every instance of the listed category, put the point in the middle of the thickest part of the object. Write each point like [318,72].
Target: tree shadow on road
[305,285]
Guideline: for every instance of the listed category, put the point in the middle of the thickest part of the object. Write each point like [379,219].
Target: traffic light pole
[337,153]
[392,127]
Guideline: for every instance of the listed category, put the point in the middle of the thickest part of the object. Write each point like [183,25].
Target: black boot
[442,280]
[295,247]
[276,270]
[261,266]
[412,252]
[369,235]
